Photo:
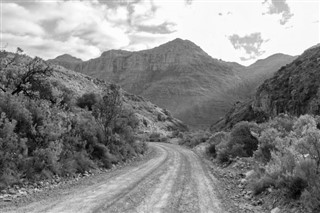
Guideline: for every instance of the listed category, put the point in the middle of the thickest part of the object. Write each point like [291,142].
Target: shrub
[154,137]
[266,145]
[211,150]
[291,158]
[262,184]
[241,143]
[42,134]
[87,100]
[295,187]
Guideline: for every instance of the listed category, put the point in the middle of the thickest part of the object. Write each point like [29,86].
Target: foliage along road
[173,180]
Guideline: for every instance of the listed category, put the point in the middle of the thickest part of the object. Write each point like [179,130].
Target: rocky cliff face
[294,89]
[180,77]
[177,75]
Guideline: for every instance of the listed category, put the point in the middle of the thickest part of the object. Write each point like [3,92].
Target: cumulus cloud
[279,7]
[87,28]
[100,24]
[250,44]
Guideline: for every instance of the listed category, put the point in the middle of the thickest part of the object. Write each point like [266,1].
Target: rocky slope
[151,117]
[293,89]
[177,75]
[181,77]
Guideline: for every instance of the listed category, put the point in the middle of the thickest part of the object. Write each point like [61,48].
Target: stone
[11,191]
[7,199]
[249,174]
[275,210]
[243,181]
[248,197]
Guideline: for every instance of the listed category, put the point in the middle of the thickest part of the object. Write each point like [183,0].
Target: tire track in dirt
[174,180]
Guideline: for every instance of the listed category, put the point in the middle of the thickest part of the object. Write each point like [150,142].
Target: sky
[242,31]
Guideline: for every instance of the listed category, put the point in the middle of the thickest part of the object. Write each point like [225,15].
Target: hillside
[177,75]
[56,122]
[151,117]
[293,89]
[180,77]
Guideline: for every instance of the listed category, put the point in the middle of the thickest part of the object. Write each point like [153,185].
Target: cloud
[53,28]
[250,44]
[86,28]
[164,28]
[279,7]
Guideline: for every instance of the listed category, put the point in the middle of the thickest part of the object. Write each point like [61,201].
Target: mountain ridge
[177,75]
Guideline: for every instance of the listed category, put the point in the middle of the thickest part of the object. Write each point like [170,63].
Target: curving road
[174,180]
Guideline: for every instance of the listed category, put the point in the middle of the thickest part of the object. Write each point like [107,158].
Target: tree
[16,78]
[108,109]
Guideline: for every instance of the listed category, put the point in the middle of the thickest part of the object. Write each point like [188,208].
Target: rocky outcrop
[294,89]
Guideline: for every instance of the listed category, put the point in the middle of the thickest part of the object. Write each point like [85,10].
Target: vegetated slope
[293,89]
[58,122]
[151,117]
[177,75]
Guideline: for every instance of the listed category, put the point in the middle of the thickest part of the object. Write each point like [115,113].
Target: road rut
[174,180]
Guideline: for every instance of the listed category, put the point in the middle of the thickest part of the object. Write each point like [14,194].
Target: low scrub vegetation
[192,139]
[46,132]
[286,150]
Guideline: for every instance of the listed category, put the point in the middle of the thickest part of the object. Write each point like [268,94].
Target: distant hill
[293,89]
[179,76]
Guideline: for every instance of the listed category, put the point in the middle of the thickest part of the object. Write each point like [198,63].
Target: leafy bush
[154,137]
[192,139]
[211,150]
[43,134]
[241,143]
[87,100]
[290,153]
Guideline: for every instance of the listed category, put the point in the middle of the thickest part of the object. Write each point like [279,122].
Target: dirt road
[174,180]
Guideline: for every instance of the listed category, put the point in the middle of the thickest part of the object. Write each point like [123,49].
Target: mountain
[179,76]
[293,89]
[66,61]
[265,68]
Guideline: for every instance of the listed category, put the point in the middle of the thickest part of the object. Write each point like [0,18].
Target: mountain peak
[179,46]
[182,43]
[68,57]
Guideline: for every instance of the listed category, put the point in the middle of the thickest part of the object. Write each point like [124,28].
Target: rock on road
[174,180]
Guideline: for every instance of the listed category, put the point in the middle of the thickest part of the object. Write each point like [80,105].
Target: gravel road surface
[175,179]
